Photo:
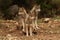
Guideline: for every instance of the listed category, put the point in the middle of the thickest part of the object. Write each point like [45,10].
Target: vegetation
[49,8]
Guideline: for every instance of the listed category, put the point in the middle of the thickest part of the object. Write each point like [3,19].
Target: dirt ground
[44,32]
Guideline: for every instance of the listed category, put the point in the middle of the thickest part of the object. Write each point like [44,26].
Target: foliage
[49,8]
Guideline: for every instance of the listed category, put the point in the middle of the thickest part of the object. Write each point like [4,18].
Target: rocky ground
[44,32]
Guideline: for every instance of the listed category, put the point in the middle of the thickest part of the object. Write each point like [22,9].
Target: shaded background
[49,8]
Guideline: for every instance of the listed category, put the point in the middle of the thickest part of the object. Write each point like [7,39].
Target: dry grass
[44,33]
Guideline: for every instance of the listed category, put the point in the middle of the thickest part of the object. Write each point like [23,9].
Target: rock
[58,32]
[51,32]
[8,35]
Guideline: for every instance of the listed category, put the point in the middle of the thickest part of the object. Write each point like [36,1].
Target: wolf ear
[38,8]
[23,10]
[33,8]
[38,5]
